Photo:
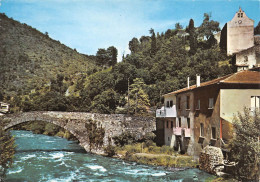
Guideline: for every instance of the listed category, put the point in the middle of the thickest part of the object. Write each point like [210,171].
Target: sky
[88,25]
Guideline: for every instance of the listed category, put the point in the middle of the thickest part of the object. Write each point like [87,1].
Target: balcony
[181,131]
[166,112]
[186,132]
[177,131]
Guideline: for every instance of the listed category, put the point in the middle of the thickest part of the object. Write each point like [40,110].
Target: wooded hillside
[43,74]
[29,59]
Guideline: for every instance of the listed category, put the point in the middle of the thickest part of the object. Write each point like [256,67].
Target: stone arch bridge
[75,123]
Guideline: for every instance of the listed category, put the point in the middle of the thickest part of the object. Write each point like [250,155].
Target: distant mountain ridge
[30,59]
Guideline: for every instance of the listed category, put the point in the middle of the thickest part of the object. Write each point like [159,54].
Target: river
[53,159]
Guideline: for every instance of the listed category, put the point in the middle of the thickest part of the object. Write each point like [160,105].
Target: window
[211,103]
[169,103]
[241,15]
[255,102]
[201,129]
[213,133]
[198,105]
[179,122]
[188,102]
[238,15]
[171,124]
[188,122]
[179,103]
[167,124]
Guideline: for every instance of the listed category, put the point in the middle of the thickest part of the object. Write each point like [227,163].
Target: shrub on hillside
[124,139]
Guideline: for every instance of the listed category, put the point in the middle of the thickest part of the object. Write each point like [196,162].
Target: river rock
[211,160]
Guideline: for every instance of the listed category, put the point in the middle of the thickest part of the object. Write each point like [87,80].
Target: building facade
[240,33]
[237,39]
[204,112]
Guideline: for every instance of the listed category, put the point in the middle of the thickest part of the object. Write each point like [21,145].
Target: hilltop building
[201,114]
[4,108]
[237,39]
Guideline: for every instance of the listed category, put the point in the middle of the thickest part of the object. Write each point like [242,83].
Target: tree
[106,102]
[112,51]
[139,100]
[57,84]
[192,37]
[102,57]
[134,45]
[245,146]
[208,27]
[178,26]
[153,43]
[257,29]
[107,57]
[7,151]
[122,72]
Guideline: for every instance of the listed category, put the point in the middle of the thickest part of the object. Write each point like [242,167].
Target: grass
[154,155]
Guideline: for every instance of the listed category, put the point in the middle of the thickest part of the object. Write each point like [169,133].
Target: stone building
[238,34]
[4,107]
[203,112]
[238,40]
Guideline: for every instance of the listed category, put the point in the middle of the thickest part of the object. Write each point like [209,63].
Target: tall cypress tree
[153,43]
[192,37]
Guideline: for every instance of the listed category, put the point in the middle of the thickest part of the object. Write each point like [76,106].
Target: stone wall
[210,158]
[75,123]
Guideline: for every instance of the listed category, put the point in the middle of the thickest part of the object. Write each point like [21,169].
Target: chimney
[197,80]
[188,82]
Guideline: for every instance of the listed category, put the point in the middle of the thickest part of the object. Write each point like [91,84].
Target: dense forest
[158,64]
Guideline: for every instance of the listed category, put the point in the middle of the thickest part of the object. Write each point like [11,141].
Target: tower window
[241,15]
[238,15]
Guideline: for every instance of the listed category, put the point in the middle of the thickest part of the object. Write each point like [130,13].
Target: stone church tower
[237,34]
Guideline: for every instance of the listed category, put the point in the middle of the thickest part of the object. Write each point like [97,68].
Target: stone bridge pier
[75,123]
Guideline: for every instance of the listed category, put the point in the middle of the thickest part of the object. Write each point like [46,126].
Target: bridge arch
[55,118]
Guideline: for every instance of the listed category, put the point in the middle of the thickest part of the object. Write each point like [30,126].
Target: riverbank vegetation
[245,146]
[7,151]
[145,151]
[154,155]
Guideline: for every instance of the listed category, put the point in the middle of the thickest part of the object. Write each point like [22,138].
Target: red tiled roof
[248,77]
[244,77]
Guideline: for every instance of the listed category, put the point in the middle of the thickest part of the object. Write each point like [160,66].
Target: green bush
[149,143]
[167,150]
[124,139]
[110,150]
[154,149]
